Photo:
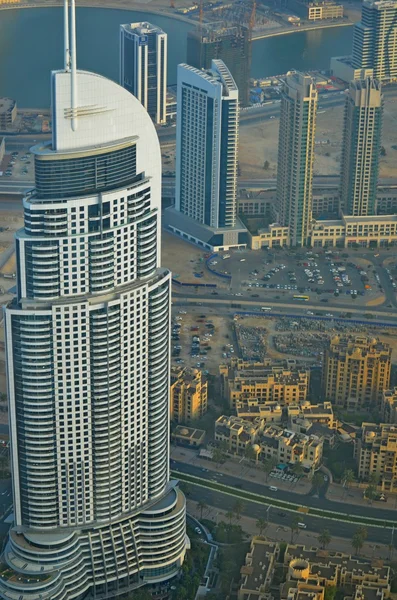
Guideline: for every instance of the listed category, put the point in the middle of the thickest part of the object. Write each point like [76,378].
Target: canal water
[31,46]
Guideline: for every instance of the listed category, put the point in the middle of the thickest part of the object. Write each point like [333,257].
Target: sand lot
[259,143]
[184,260]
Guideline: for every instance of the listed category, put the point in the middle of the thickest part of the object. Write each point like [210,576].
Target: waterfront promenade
[162,7]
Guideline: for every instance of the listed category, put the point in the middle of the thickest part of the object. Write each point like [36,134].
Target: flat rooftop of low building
[204,233]
[256,572]
[6,104]
[189,432]
[142,28]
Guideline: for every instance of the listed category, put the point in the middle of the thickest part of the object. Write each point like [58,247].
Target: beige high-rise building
[296,155]
[243,381]
[188,395]
[376,454]
[361,147]
[356,370]
[389,406]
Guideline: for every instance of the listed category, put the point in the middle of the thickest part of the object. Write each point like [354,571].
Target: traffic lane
[286,495]
[226,503]
[246,303]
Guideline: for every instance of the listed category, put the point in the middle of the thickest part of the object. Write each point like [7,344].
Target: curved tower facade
[88,358]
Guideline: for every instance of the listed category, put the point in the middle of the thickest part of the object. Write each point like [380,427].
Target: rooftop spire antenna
[66,34]
[73,64]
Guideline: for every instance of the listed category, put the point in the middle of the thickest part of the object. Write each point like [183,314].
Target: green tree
[262,525]
[141,594]
[268,466]
[359,538]
[266,165]
[370,493]
[238,508]
[297,469]
[373,479]
[217,456]
[363,532]
[330,592]
[294,528]
[229,516]
[348,477]
[250,453]
[317,481]
[324,538]
[382,151]
[201,505]
[357,542]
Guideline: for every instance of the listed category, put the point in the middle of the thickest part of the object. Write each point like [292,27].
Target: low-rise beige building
[8,113]
[376,454]
[260,381]
[313,413]
[258,570]
[250,409]
[269,441]
[389,406]
[290,447]
[188,436]
[319,11]
[356,371]
[237,433]
[376,231]
[338,569]
[188,395]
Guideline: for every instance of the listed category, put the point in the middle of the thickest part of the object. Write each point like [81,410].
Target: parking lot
[19,165]
[201,340]
[326,276]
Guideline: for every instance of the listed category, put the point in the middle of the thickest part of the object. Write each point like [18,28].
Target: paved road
[223,305]
[310,500]
[251,509]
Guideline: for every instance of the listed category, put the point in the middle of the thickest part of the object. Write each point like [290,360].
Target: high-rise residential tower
[230,44]
[296,155]
[88,356]
[207,144]
[143,66]
[356,371]
[361,147]
[375,39]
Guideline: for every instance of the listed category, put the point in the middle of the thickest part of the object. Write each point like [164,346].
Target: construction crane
[251,24]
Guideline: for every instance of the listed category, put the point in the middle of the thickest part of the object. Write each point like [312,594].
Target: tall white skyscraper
[296,155]
[207,145]
[375,39]
[143,66]
[88,356]
[361,147]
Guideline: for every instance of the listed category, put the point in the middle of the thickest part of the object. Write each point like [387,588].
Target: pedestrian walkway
[355,495]
[238,467]
[279,533]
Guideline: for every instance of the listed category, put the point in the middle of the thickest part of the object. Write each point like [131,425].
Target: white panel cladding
[73,413]
[88,369]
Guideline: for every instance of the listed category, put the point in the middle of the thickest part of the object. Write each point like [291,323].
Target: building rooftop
[142,28]
[258,562]
[6,104]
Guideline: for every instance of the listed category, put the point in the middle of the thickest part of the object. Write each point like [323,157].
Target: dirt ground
[184,260]
[259,143]
[10,266]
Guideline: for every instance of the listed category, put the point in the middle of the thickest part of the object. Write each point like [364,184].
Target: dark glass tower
[231,45]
